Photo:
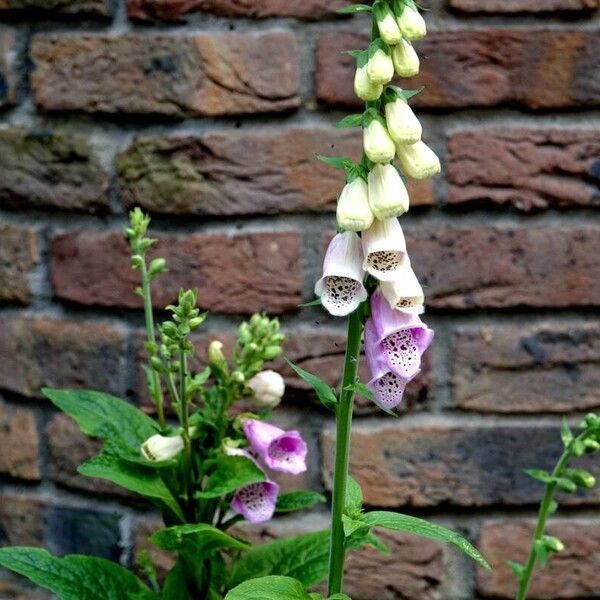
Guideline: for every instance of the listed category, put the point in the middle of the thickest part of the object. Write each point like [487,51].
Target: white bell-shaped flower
[388,196]
[411,23]
[364,88]
[384,249]
[159,447]
[341,287]
[380,67]
[418,160]
[378,145]
[404,292]
[402,124]
[353,210]
[387,24]
[406,61]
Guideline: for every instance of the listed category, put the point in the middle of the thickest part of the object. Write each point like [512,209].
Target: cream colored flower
[418,160]
[387,193]
[411,24]
[406,61]
[386,23]
[380,67]
[364,88]
[402,124]
[353,211]
[377,143]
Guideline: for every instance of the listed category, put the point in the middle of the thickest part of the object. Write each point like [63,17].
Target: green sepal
[378,44]
[517,569]
[315,302]
[393,92]
[324,392]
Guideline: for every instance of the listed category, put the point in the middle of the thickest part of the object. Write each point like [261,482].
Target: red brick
[212,74]
[399,465]
[18,257]
[240,273]
[49,352]
[169,10]
[573,573]
[547,367]
[7,72]
[20,455]
[459,69]
[498,267]
[522,6]
[57,170]
[525,168]
[240,172]
[63,7]
[21,521]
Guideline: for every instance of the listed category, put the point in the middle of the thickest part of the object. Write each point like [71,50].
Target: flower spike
[384,249]
[341,287]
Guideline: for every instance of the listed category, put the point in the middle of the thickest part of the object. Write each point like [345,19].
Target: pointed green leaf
[354,497]
[423,528]
[75,577]
[325,394]
[539,475]
[204,538]
[231,473]
[354,526]
[298,500]
[565,433]
[315,302]
[269,588]
[175,587]
[517,569]
[350,121]
[338,162]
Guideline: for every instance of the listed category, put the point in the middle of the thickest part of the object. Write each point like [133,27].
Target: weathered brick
[525,168]
[41,169]
[50,352]
[20,455]
[7,72]
[573,573]
[100,8]
[239,273]
[459,69]
[18,256]
[21,521]
[212,74]
[240,172]
[169,10]
[457,465]
[537,368]
[522,6]
[68,448]
[467,267]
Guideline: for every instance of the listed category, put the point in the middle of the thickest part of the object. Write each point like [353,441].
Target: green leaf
[339,597]
[517,569]
[175,587]
[106,417]
[362,390]
[566,433]
[350,121]
[400,522]
[354,8]
[539,475]
[304,557]
[352,526]
[135,478]
[325,394]
[231,473]
[204,537]
[75,577]
[354,497]
[315,302]
[299,500]
[269,588]
[372,540]
[338,162]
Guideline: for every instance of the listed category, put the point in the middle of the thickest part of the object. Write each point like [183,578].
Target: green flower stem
[156,389]
[337,549]
[187,445]
[543,515]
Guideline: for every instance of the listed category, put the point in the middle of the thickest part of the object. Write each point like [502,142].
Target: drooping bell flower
[410,22]
[388,196]
[256,502]
[159,447]
[364,88]
[267,388]
[353,210]
[418,160]
[341,287]
[404,292]
[406,61]
[378,145]
[386,23]
[380,67]
[387,387]
[384,249]
[402,336]
[402,124]
[283,451]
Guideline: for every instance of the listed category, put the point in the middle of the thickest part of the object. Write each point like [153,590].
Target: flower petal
[384,249]
[287,453]
[260,435]
[256,502]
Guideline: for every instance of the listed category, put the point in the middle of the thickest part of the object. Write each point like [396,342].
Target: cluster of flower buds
[279,450]
[371,240]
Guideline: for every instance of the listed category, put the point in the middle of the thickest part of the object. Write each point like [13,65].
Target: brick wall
[207,113]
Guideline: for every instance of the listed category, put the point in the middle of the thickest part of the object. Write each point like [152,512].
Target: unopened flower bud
[402,124]
[411,23]
[386,23]
[591,445]
[215,354]
[581,478]
[353,211]
[406,61]
[244,333]
[380,67]
[364,88]
[271,352]
[387,193]
[238,377]
[378,144]
[159,447]
[418,160]
[268,387]
[553,544]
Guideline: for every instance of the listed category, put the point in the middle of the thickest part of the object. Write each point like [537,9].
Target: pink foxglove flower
[341,288]
[403,337]
[387,387]
[283,451]
[404,292]
[256,501]
[384,249]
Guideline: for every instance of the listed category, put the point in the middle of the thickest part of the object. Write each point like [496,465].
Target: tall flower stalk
[367,274]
